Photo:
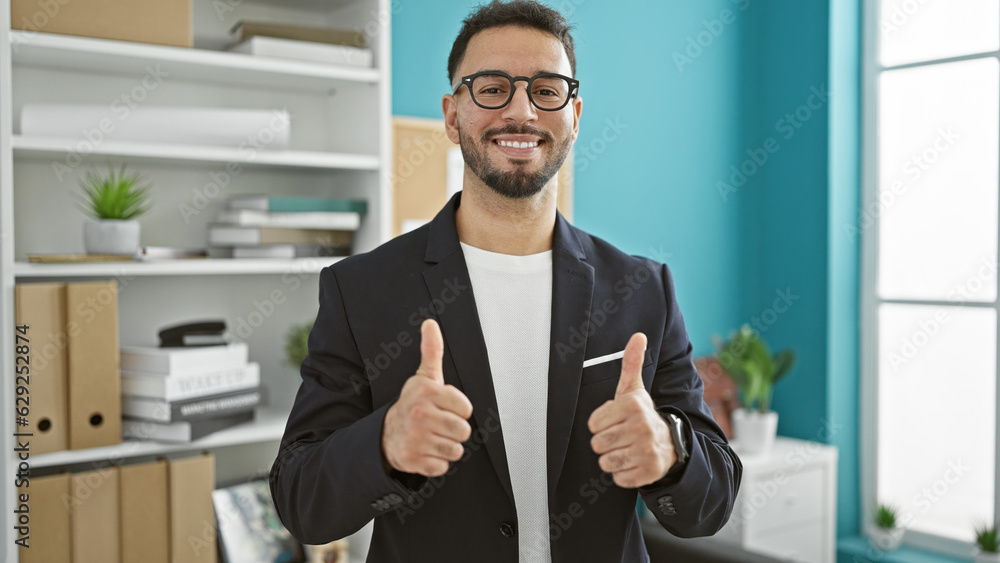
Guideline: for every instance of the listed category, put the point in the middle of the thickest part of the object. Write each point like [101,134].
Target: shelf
[267,425]
[86,54]
[195,267]
[46,146]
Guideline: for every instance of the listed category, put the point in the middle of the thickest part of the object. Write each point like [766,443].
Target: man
[462,386]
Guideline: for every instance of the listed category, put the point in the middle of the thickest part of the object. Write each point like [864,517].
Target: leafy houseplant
[987,543]
[113,202]
[746,358]
[297,344]
[886,534]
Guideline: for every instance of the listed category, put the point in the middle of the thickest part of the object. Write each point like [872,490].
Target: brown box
[42,307]
[94,390]
[49,541]
[96,516]
[163,22]
[145,513]
[190,482]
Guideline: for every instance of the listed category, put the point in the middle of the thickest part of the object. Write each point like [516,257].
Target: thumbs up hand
[426,427]
[631,438]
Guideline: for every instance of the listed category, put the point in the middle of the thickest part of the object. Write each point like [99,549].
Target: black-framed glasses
[494,89]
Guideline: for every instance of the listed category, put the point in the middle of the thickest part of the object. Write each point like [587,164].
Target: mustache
[516,130]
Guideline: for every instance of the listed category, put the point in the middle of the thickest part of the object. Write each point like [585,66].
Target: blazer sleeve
[698,500]
[328,479]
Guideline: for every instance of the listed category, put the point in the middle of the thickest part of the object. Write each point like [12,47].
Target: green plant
[987,538]
[297,344]
[747,360]
[885,516]
[115,196]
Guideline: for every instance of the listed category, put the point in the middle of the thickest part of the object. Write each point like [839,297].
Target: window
[929,230]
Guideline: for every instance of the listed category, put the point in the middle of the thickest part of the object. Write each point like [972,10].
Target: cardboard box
[163,22]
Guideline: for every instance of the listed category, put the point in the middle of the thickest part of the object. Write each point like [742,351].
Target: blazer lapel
[572,293]
[453,302]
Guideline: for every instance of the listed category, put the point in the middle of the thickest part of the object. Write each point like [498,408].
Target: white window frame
[871,69]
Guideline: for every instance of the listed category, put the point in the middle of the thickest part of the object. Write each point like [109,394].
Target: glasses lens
[549,92]
[491,90]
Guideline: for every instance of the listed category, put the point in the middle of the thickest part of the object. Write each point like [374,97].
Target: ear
[449,107]
[577,110]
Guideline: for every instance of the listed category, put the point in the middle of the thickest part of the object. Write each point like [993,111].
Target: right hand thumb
[431,351]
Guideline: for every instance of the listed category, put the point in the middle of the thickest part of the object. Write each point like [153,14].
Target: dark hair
[523,13]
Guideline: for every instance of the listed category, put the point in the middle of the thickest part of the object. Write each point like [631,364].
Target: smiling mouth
[517,144]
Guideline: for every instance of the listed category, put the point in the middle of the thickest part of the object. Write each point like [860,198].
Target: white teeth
[517,145]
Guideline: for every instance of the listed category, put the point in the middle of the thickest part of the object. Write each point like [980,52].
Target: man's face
[482,133]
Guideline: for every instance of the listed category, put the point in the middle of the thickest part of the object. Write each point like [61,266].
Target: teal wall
[684,113]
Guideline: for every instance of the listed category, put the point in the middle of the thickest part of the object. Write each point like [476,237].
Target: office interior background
[825,171]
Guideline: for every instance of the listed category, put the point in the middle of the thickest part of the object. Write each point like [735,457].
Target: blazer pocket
[609,370]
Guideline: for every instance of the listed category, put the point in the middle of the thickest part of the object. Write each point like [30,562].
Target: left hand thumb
[631,378]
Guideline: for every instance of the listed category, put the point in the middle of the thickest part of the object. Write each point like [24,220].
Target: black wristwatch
[681,447]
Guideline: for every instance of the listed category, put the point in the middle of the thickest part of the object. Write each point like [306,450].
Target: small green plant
[885,516]
[987,538]
[297,344]
[115,196]
[747,360]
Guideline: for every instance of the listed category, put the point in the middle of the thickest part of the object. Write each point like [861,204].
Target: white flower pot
[981,556]
[754,431]
[111,236]
[885,540]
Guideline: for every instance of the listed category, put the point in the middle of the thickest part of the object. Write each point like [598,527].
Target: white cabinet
[339,147]
[786,506]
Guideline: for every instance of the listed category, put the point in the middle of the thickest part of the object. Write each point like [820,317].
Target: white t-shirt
[514,299]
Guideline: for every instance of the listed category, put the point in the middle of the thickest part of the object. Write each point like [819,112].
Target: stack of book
[182,394]
[317,44]
[259,226]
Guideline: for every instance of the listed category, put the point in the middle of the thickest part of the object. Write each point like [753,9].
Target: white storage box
[176,125]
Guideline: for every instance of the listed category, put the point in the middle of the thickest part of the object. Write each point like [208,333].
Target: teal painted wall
[675,94]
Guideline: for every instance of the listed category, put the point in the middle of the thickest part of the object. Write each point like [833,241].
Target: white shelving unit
[340,147]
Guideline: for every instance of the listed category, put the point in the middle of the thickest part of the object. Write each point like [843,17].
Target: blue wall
[693,86]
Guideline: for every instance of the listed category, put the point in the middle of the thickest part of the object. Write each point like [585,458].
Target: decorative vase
[981,556]
[111,236]
[754,431]
[885,539]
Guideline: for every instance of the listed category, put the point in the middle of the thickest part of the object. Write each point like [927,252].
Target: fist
[426,427]
[631,438]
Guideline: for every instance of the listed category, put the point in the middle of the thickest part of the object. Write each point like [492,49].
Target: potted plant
[987,544]
[113,202]
[747,360]
[885,533]
[297,344]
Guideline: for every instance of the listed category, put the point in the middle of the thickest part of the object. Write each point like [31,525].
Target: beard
[519,183]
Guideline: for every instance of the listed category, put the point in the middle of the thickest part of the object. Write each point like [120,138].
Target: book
[305,51]
[182,431]
[249,528]
[235,235]
[162,410]
[338,220]
[247,29]
[178,361]
[181,387]
[276,204]
[145,253]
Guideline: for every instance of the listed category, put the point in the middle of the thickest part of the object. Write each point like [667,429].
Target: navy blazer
[328,479]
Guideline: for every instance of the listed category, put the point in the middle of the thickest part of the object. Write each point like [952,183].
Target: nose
[520,107]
